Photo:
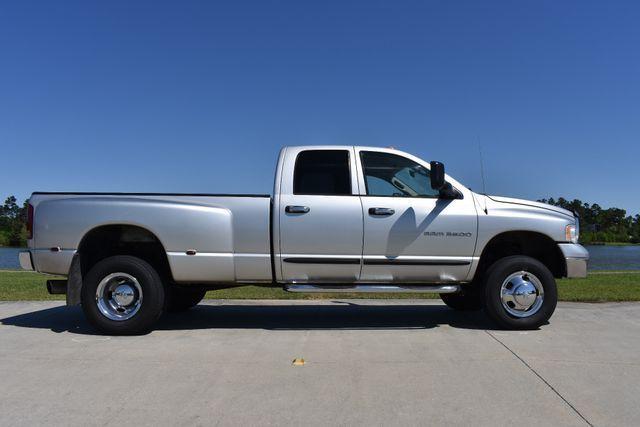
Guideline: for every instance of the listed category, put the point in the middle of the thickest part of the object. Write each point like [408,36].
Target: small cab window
[322,172]
[387,174]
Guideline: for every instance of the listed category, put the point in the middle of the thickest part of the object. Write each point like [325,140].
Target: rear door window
[322,172]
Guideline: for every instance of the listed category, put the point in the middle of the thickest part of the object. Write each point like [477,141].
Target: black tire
[182,298]
[530,318]
[471,299]
[151,303]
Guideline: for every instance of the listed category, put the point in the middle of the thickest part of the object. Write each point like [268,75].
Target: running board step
[433,289]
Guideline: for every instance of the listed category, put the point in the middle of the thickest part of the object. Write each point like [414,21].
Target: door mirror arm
[449,193]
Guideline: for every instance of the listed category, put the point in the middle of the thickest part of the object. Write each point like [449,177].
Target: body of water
[602,258]
[9,258]
[614,257]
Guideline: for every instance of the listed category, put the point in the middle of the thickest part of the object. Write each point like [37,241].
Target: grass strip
[600,286]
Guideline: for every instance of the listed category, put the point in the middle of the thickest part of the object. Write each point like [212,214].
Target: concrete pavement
[368,362]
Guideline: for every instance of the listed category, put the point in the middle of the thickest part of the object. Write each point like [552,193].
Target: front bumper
[26,263]
[576,257]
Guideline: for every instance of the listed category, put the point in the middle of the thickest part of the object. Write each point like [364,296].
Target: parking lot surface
[366,362]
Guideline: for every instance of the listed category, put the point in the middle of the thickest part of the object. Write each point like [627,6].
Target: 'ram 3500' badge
[446,234]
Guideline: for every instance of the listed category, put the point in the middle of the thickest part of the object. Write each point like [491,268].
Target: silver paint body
[232,235]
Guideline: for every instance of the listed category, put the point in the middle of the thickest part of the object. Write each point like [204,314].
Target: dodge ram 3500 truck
[341,219]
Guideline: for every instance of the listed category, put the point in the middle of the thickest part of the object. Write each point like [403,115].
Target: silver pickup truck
[341,219]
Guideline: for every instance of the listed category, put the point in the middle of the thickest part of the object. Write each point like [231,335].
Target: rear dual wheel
[123,295]
[181,298]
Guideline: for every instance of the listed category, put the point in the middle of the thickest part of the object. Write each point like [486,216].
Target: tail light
[29,221]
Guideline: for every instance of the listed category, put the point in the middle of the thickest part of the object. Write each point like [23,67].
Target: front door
[320,218]
[410,234]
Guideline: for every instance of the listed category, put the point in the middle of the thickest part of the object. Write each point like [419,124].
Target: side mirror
[437,176]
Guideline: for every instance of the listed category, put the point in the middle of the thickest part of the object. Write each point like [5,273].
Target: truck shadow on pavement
[337,315]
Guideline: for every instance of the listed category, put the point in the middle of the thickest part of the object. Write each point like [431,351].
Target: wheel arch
[523,242]
[107,240]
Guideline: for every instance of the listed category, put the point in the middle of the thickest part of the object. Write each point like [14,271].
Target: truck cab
[357,214]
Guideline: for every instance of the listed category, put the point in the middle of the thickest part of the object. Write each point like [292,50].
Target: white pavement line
[541,378]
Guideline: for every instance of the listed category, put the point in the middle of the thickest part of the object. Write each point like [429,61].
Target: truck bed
[229,233]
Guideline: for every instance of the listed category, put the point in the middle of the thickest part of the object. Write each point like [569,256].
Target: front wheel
[520,293]
[122,295]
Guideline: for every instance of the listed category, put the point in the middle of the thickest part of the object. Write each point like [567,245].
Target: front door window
[388,174]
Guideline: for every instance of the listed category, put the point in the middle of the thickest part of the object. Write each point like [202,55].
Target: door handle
[297,209]
[381,211]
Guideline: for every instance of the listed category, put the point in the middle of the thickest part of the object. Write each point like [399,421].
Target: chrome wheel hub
[124,295]
[522,294]
[119,296]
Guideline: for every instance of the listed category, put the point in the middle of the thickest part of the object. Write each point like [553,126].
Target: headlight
[572,232]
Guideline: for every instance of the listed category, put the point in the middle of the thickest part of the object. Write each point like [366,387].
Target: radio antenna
[484,186]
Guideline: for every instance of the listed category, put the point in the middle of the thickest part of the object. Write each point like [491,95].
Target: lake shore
[611,244]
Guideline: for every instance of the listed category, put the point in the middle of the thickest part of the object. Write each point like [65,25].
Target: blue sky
[199,96]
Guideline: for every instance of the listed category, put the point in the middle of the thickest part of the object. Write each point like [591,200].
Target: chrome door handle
[381,211]
[297,209]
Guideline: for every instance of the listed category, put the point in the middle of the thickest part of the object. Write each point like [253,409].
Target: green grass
[25,286]
[601,287]
[597,287]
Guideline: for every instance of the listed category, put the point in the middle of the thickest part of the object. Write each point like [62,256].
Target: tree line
[597,225]
[13,223]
